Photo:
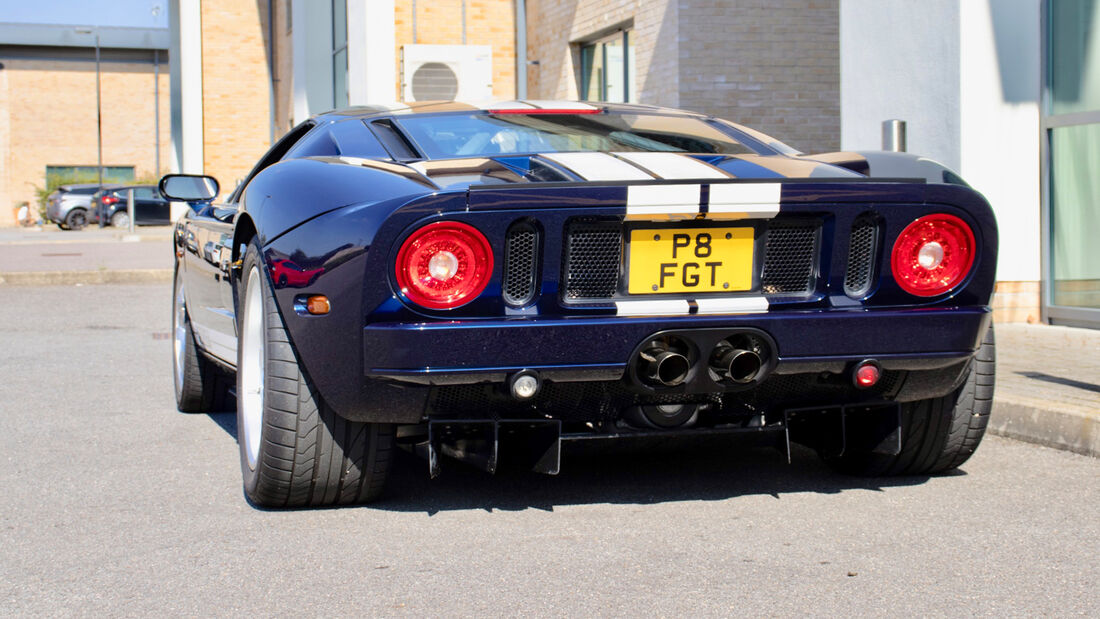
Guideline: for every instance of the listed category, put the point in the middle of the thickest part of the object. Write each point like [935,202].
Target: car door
[208,234]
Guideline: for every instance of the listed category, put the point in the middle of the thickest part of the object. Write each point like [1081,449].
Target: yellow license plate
[670,260]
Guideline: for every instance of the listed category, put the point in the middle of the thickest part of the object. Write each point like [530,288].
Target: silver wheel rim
[179,328]
[121,221]
[252,369]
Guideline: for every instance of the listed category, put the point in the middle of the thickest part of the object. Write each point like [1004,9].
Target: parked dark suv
[68,206]
[150,208]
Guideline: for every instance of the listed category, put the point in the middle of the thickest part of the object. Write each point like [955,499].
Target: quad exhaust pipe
[704,360]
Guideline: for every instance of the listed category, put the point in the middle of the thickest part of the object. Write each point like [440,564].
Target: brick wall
[439,22]
[235,88]
[48,117]
[555,28]
[773,65]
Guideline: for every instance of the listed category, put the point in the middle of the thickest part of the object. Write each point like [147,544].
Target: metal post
[156,108]
[130,207]
[893,135]
[98,114]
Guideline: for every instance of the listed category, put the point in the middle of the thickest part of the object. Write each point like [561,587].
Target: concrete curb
[72,278]
[1068,429]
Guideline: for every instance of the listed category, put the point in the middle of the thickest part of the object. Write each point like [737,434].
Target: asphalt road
[112,503]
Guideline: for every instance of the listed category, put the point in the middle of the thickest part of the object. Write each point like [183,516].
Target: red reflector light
[444,265]
[867,375]
[546,111]
[933,255]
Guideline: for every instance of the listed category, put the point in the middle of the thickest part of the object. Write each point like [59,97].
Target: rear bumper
[600,348]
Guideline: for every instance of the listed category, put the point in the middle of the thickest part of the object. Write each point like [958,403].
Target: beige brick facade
[48,116]
[236,107]
[439,22]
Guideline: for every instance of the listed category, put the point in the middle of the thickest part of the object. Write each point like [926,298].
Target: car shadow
[698,469]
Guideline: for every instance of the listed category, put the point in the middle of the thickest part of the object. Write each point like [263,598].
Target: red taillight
[537,111]
[933,254]
[108,199]
[444,265]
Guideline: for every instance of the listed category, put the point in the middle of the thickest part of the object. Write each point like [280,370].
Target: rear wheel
[295,451]
[938,434]
[200,386]
[76,219]
[121,219]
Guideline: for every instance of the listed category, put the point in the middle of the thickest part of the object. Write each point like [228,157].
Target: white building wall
[900,59]
[372,59]
[1000,81]
[964,74]
[311,38]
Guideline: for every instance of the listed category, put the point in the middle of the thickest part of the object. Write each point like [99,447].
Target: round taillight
[444,264]
[933,254]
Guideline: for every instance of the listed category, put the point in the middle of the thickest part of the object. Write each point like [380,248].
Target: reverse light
[933,254]
[444,265]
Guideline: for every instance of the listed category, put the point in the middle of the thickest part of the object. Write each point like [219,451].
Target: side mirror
[189,187]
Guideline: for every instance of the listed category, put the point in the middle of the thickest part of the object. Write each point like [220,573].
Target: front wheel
[200,385]
[295,450]
[937,434]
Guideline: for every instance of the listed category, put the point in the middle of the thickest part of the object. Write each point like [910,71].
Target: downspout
[521,49]
[271,68]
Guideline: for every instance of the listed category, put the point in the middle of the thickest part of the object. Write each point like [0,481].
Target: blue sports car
[482,281]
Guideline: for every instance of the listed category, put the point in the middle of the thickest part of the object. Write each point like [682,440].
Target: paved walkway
[1048,378]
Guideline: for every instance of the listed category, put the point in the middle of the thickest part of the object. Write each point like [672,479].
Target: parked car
[69,206]
[150,207]
[541,273]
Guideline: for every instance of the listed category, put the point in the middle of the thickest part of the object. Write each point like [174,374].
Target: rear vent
[789,258]
[862,247]
[593,253]
[521,252]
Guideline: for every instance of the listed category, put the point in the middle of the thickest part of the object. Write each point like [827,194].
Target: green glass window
[1075,215]
[607,69]
[339,53]
[1074,56]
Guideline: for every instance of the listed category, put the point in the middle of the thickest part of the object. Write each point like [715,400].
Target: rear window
[473,135]
[81,190]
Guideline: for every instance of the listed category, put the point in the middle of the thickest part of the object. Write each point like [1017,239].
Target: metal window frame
[1049,312]
[599,46]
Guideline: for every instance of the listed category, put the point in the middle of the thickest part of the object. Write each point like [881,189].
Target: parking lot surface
[113,503]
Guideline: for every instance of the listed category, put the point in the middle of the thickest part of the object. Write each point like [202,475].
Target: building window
[607,68]
[339,53]
[65,174]
[1071,126]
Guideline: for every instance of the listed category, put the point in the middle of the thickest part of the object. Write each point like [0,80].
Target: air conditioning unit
[446,72]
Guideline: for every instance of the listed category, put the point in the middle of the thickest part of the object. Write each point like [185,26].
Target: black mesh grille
[791,248]
[593,253]
[521,249]
[862,244]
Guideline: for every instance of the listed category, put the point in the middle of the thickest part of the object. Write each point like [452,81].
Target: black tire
[938,434]
[300,452]
[62,226]
[120,219]
[76,219]
[200,386]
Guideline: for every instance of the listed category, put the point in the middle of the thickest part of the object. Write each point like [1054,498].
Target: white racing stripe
[732,305]
[662,201]
[744,200]
[598,166]
[652,307]
[672,165]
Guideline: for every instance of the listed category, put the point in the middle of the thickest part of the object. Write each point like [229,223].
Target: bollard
[130,207]
[893,135]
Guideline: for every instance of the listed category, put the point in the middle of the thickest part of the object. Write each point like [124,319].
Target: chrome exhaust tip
[663,367]
[737,364]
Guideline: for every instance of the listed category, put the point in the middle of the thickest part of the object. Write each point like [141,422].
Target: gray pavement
[115,504]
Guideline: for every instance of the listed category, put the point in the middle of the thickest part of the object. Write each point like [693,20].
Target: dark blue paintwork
[371,357]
